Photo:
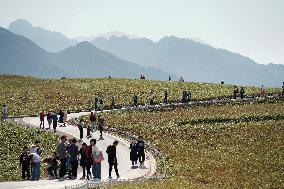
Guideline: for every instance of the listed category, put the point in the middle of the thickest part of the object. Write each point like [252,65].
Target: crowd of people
[65,161]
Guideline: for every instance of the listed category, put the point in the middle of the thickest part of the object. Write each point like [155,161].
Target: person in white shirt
[35,162]
[96,168]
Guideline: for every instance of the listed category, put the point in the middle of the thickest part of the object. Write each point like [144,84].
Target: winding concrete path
[124,164]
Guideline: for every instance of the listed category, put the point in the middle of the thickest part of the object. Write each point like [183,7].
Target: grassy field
[13,138]
[27,95]
[219,154]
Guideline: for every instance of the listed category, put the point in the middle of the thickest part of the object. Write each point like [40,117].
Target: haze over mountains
[192,59]
[21,56]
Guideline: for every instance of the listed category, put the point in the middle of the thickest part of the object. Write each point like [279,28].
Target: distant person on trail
[166,97]
[186,95]
[133,152]
[101,103]
[101,123]
[112,104]
[112,159]
[54,120]
[95,104]
[49,118]
[5,112]
[151,98]
[81,127]
[25,162]
[93,120]
[65,113]
[83,159]
[222,82]
[262,91]
[242,92]
[135,100]
[41,117]
[141,150]
[61,118]
[73,152]
[170,78]
[181,79]
[235,92]
[62,155]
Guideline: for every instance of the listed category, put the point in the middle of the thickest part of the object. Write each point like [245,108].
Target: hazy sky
[254,28]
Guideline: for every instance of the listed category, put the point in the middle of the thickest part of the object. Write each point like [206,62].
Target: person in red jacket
[41,117]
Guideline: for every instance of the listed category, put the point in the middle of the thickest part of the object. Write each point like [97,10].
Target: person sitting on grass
[25,162]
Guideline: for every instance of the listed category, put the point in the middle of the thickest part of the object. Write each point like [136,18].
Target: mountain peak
[85,44]
[20,23]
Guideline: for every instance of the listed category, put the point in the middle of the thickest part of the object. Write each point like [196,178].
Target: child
[25,163]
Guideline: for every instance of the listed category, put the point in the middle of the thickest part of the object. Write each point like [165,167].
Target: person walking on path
[133,152]
[96,168]
[54,121]
[93,120]
[5,112]
[135,100]
[65,116]
[73,152]
[35,164]
[112,159]
[89,159]
[242,93]
[101,123]
[25,163]
[49,119]
[83,159]
[41,117]
[141,150]
[81,127]
[62,155]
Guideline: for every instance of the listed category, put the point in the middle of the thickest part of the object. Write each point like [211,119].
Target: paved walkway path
[124,164]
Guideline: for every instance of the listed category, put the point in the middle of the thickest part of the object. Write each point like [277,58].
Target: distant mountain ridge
[21,56]
[194,61]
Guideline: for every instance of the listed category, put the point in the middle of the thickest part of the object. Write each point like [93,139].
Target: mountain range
[189,58]
[21,56]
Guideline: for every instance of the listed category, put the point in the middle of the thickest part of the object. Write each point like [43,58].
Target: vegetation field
[219,153]
[13,138]
[27,95]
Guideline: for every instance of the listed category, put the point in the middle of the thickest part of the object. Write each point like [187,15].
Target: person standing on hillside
[62,155]
[49,118]
[141,150]
[25,163]
[95,104]
[242,92]
[170,78]
[235,92]
[5,112]
[112,104]
[101,102]
[93,120]
[135,100]
[41,118]
[112,159]
[166,97]
[101,123]
[283,90]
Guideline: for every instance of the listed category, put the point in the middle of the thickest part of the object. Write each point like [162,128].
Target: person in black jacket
[112,159]
[83,159]
[61,118]
[141,150]
[133,152]
[25,162]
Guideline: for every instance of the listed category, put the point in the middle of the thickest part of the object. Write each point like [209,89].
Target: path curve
[124,163]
